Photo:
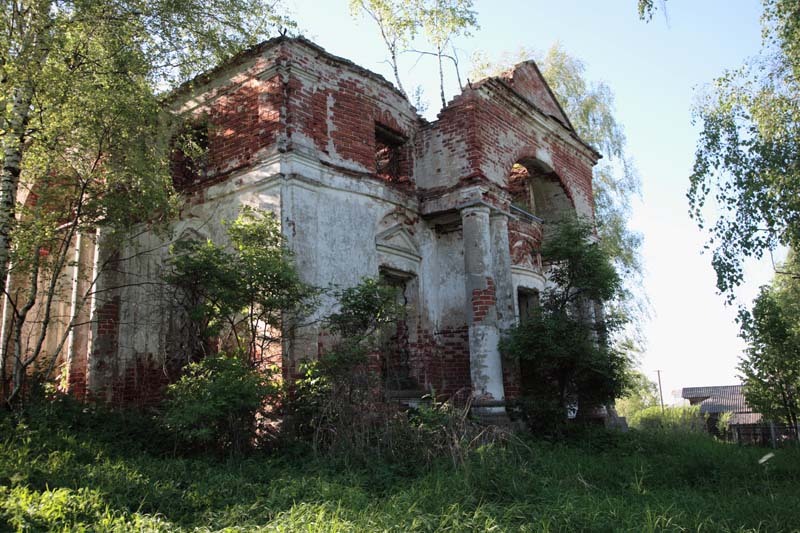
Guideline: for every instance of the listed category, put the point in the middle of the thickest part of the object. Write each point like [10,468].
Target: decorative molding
[398,241]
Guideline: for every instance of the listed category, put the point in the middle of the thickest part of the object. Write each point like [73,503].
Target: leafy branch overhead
[439,22]
[647,8]
[745,184]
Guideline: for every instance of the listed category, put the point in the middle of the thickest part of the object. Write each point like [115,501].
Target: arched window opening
[537,190]
[538,196]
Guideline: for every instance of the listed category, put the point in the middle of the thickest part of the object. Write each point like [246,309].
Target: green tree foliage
[680,419]
[397,25]
[565,348]
[641,394]
[243,295]
[337,401]
[215,403]
[590,108]
[84,136]
[746,162]
[647,9]
[442,21]
[771,365]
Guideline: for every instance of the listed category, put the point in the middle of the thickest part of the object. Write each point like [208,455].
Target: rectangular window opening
[527,303]
[388,153]
[396,363]
[189,155]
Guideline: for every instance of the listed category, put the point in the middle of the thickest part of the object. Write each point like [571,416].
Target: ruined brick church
[451,211]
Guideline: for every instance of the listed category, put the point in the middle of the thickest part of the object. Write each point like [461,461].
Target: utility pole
[660,392]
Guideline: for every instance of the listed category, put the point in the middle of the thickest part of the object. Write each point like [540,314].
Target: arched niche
[538,190]
[538,196]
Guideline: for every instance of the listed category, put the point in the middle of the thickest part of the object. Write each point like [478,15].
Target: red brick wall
[142,383]
[483,300]
[511,378]
[488,133]
[527,81]
[336,113]
[243,113]
[441,362]
[339,110]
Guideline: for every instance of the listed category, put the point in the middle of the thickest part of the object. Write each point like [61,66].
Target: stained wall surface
[363,186]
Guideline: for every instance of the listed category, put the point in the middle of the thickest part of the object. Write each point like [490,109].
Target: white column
[485,365]
[501,257]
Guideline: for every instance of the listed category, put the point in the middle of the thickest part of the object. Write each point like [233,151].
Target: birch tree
[396,24]
[745,184]
[441,22]
[616,182]
[83,129]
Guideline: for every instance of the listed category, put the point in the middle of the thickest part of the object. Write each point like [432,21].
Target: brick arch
[541,157]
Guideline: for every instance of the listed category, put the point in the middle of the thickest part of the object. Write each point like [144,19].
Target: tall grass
[65,470]
[681,419]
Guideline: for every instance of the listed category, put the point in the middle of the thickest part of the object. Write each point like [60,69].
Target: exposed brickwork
[440,362]
[525,241]
[76,383]
[106,340]
[511,378]
[480,136]
[483,300]
[339,113]
[485,130]
[530,83]
[243,122]
[142,383]
[518,182]
[290,103]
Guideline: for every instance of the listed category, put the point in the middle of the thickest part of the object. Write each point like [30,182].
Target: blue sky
[655,71]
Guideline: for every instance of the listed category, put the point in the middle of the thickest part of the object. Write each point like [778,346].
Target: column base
[490,413]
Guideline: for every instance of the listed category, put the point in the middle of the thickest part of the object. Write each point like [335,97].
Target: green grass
[63,470]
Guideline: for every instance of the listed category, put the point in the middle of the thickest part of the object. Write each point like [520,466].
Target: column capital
[477,208]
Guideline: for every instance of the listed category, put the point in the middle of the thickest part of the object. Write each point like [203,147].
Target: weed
[63,470]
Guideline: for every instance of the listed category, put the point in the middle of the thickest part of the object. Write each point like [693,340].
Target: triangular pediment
[527,80]
[397,240]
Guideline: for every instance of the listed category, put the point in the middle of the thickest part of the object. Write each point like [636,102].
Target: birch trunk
[441,78]
[13,143]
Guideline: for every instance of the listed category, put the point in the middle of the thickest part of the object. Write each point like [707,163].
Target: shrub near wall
[216,402]
[670,419]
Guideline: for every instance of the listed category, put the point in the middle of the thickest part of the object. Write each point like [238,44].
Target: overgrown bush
[723,426]
[671,419]
[243,296]
[339,405]
[566,349]
[216,402]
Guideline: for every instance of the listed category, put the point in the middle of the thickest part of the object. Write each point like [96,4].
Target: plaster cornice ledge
[458,199]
